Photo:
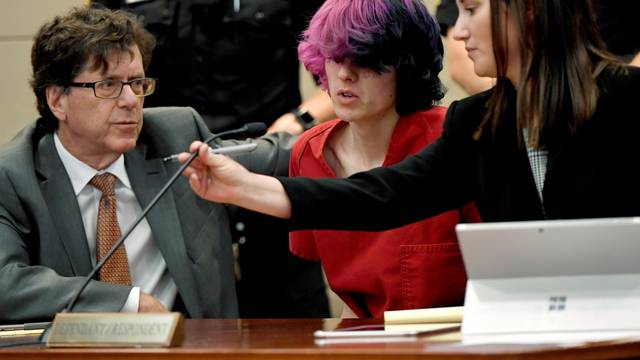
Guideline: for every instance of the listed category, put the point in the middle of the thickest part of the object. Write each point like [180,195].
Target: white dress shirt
[148,269]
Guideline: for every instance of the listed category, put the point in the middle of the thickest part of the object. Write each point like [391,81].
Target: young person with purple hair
[556,137]
[379,61]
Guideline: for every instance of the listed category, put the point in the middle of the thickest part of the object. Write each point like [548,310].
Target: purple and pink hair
[379,34]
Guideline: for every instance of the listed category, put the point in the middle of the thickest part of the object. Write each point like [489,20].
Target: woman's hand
[214,177]
[220,179]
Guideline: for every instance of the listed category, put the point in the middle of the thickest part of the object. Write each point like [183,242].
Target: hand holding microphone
[212,177]
[250,130]
[221,179]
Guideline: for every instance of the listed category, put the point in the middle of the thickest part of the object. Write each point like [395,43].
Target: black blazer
[590,173]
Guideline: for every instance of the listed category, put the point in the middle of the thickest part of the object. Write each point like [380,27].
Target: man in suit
[94,145]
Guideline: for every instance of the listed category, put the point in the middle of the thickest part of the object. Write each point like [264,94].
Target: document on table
[424,316]
[12,333]
[26,329]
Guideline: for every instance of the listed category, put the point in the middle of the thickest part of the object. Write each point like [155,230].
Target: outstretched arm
[441,177]
[218,178]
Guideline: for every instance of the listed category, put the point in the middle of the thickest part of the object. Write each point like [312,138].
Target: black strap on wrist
[304,118]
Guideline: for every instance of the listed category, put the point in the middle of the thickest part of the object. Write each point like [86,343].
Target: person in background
[235,62]
[618,23]
[554,139]
[73,181]
[458,64]
[379,61]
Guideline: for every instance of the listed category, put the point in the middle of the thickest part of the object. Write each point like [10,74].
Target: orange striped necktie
[116,269]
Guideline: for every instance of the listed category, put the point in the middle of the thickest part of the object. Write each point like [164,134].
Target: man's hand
[150,304]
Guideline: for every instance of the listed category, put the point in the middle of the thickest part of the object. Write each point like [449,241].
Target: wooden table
[293,339]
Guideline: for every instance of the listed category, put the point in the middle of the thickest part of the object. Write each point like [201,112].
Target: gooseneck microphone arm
[250,129]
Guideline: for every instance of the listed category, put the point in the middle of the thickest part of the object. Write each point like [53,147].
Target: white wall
[19,21]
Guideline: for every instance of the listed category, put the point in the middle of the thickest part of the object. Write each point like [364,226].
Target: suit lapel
[147,177]
[60,199]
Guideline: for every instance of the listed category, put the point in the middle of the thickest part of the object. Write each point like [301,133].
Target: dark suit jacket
[43,247]
[590,173]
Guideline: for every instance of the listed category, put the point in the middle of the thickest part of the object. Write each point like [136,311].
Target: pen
[26,326]
[228,150]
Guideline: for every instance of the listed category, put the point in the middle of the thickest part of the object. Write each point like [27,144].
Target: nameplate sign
[116,330]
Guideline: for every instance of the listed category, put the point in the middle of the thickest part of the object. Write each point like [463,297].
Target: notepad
[14,333]
[449,315]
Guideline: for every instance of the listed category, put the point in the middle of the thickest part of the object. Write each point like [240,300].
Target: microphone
[250,130]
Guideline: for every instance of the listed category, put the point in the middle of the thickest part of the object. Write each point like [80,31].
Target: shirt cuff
[133,301]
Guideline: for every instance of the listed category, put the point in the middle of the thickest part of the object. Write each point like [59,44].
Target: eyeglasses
[111,89]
